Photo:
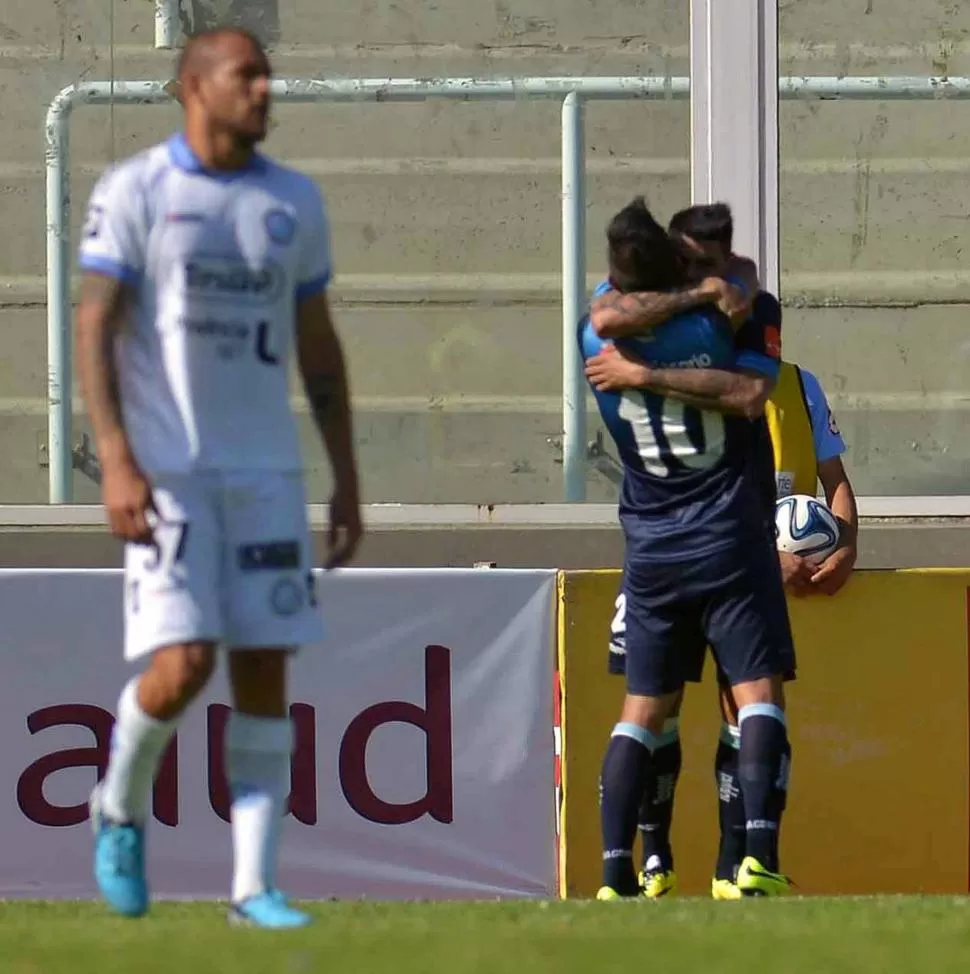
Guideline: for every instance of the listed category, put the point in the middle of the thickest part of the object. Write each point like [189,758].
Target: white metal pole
[734,128]
[768,146]
[573,297]
[166,24]
[59,393]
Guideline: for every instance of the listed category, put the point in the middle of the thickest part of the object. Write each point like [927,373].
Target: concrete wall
[446,223]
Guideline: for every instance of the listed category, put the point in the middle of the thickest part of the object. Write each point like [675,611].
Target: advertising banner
[424,741]
[878,718]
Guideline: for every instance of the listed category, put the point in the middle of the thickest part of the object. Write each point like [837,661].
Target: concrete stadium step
[836,132]
[462,403]
[85,23]
[444,220]
[810,129]
[510,452]
[903,35]
[437,222]
[440,353]
[408,454]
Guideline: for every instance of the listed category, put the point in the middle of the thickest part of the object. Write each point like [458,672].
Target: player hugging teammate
[681,364]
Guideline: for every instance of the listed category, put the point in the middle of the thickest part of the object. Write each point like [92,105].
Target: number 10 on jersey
[670,435]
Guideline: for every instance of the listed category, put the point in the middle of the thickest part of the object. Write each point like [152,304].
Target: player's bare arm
[616,315]
[102,314]
[322,367]
[834,572]
[739,392]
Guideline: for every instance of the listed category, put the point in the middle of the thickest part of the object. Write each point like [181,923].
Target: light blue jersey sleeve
[602,288]
[316,268]
[113,239]
[825,431]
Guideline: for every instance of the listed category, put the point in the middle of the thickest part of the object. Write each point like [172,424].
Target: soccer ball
[805,526]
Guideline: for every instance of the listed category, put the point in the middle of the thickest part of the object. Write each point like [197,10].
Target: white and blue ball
[805,526]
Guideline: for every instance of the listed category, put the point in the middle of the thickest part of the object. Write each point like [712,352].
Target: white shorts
[231,564]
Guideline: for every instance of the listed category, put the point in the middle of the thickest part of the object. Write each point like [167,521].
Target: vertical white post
[734,120]
[166,24]
[59,404]
[573,296]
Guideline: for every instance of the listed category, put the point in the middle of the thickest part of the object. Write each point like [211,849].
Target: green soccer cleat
[658,883]
[755,880]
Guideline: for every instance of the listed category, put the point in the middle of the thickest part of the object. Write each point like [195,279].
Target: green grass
[882,935]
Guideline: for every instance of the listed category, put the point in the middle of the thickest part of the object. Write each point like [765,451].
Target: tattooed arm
[616,315]
[321,362]
[101,315]
[721,390]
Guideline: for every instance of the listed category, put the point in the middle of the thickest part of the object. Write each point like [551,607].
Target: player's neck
[218,151]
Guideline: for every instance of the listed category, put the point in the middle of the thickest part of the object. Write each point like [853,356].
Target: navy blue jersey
[691,483]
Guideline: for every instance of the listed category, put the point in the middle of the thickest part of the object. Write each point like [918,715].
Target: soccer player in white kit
[201,259]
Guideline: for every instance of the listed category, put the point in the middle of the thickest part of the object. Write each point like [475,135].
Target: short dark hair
[642,257]
[705,223]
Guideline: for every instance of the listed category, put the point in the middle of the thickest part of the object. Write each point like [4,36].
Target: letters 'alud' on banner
[423,765]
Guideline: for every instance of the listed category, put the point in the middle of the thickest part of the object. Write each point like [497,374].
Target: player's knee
[769,689]
[650,713]
[729,710]
[185,670]
[258,679]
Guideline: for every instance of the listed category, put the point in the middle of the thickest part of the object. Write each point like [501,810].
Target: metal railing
[573,92]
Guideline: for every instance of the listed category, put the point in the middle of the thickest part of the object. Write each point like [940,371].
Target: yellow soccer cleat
[755,880]
[655,885]
[608,893]
[724,889]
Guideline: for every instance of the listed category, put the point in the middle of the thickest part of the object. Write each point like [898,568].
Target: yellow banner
[878,720]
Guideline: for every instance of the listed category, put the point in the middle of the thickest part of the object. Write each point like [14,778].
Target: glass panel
[46,46]
[446,224]
[446,216]
[873,208]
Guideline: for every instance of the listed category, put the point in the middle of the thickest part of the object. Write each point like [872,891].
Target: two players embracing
[682,352]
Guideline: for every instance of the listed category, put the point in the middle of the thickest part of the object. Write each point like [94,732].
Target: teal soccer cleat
[119,861]
[268,910]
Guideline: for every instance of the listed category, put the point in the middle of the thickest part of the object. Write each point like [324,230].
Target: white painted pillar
[734,120]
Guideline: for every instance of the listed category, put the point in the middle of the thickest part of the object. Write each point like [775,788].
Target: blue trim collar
[182,156]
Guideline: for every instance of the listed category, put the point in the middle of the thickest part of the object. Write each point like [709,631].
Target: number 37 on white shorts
[231,564]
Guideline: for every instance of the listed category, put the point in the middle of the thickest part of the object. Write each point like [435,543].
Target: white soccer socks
[138,744]
[258,751]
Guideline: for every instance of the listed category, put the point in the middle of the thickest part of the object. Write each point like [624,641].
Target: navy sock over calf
[763,773]
[730,805]
[657,804]
[626,772]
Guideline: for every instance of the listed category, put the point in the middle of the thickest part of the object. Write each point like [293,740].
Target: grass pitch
[881,935]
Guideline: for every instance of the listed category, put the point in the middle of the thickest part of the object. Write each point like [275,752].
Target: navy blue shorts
[669,613]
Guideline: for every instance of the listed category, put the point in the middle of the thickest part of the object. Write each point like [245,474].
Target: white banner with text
[423,765]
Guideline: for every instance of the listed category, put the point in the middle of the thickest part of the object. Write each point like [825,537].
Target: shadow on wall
[262,17]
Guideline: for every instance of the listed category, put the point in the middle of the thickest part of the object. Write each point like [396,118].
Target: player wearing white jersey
[201,261]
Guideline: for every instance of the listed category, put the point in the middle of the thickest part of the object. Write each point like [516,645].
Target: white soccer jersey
[218,262]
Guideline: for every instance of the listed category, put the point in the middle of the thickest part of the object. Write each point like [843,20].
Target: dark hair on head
[642,257]
[705,223]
